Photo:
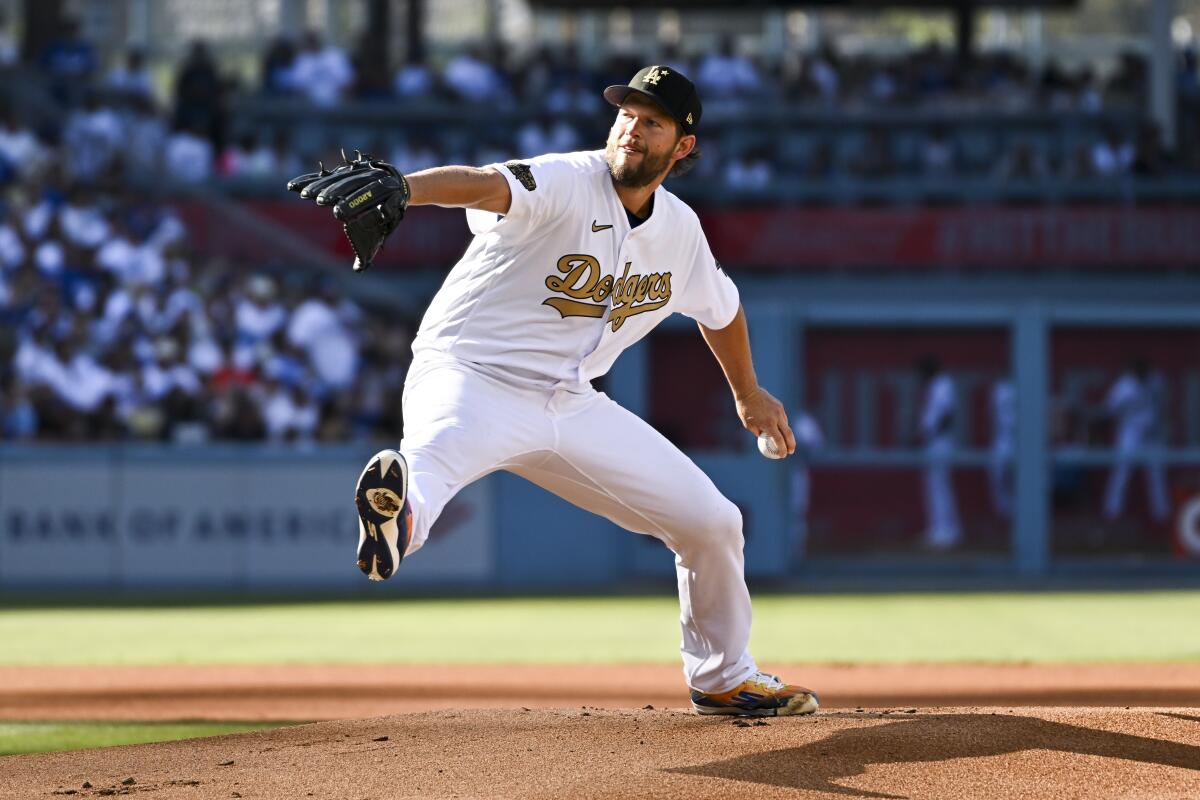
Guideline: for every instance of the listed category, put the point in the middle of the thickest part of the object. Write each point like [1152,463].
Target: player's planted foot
[384,515]
[760,695]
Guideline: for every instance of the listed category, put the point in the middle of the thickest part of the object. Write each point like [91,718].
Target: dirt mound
[351,691]
[654,753]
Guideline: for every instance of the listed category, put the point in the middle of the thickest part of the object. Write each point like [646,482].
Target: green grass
[878,628]
[44,737]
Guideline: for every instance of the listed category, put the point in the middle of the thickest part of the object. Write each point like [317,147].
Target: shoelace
[765,680]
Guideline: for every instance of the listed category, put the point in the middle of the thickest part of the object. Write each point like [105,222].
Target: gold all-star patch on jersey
[587,291]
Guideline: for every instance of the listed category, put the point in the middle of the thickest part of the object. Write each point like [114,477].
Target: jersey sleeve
[541,190]
[710,297]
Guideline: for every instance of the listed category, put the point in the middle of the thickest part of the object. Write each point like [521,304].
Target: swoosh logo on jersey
[583,281]
[597,228]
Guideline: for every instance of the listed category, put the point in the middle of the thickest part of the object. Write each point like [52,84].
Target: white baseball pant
[461,424]
[941,510]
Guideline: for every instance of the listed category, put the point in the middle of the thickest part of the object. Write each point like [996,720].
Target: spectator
[18,417]
[546,134]
[21,154]
[473,78]
[883,86]
[571,95]
[257,316]
[939,154]
[413,79]
[279,67]
[1112,155]
[237,416]
[189,155]
[322,72]
[749,171]
[725,75]
[289,413]
[133,78]
[145,138]
[247,157]
[316,327]
[81,222]
[199,95]
[69,60]
[91,138]
[414,157]
[1088,96]
[822,75]
[12,248]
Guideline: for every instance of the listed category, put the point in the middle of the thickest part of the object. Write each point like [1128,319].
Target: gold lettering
[630,295]
[573,308]
[582,274]
[358,201]
[619,315]
[603,289]
[619,286]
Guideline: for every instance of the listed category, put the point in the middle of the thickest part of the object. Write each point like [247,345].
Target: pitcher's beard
[635,177]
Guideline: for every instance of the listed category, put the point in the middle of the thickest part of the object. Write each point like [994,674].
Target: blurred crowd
[110,329]
[116,121]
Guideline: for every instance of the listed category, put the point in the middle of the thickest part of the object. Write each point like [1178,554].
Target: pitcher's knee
[718,523]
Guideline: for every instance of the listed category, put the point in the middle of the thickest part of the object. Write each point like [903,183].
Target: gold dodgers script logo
[586,291]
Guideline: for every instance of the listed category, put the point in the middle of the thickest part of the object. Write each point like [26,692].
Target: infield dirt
[949,753]
[933,731]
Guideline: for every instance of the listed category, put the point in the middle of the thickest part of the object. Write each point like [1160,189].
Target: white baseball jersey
[551,292]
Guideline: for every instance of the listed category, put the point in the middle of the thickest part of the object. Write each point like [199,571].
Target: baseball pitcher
[575,257]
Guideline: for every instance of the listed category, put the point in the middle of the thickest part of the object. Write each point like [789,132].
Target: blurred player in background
[809,439]
[939,405]
[1134,402]
[1004,431]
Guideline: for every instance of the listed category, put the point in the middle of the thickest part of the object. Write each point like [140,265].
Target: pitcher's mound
[950,753]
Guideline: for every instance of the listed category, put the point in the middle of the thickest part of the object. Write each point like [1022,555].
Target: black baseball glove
[368,196]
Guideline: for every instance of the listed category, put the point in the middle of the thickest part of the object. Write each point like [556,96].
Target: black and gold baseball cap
[667,87]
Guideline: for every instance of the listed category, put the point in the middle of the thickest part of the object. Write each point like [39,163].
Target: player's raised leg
[610,462]
[459,425]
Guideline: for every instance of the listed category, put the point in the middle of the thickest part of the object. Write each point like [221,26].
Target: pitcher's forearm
[731,347]
[460,187]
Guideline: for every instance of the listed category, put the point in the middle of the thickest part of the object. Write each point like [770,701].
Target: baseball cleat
[384,515]
[760,695]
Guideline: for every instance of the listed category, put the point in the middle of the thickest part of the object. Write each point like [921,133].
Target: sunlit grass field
[868,628]
[43,737]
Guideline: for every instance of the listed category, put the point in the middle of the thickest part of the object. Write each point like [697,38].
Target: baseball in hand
[766,446]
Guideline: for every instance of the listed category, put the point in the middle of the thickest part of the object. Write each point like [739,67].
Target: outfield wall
[231,518]
[245,518]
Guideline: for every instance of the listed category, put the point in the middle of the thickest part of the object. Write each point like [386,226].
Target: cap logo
[689,118]
[655,75]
